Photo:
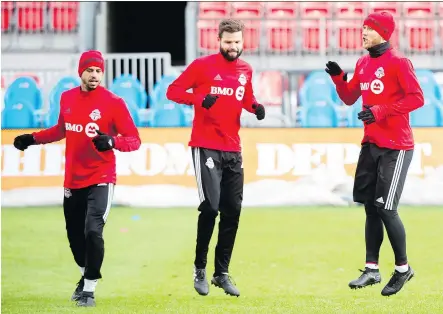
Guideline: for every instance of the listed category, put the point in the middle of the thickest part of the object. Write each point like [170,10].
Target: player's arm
[128,139]
[55,133]
[177,91]
[249,99]
[348,92]
[413,98]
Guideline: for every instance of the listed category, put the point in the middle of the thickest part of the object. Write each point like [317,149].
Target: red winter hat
[382,22]
[91,58]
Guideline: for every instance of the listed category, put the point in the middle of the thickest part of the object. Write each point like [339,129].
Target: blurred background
[147,44]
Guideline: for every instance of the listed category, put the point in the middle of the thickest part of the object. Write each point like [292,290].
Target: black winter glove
[366,115]
[22,142]
[209,101]
[259,111]
[103,142]
[333,69]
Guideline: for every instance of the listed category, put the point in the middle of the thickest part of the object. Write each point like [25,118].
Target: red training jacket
[215,128]
[388,84]
[81,113]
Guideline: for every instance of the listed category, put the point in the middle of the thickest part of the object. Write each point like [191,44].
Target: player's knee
[92,234]
[386,213]
[209,208]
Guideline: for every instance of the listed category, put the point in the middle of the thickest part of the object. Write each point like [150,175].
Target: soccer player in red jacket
[386,80]
[221,85]
[94,121]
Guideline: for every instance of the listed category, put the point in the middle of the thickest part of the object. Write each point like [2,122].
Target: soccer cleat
[86,299]
[368,277]
[200,282]
[397,282]
[78,291]
[224,281]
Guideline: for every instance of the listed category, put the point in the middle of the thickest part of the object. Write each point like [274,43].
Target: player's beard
[225,54]
[89,87]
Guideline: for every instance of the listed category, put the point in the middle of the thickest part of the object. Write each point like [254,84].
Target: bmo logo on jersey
[222,91]
[226,91]
[376,86]
[78,128]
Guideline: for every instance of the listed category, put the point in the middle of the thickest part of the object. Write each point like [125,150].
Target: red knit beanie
[91,58]
[382,22]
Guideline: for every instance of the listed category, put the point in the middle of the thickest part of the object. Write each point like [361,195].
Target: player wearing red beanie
[389,88]
[94,121]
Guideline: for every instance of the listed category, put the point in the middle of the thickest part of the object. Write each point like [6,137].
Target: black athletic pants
[379,180]
[220,181]
[86,211]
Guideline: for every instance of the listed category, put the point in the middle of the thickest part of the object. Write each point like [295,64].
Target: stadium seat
[252,8]
[24,89]
[64,84]
[429,84]
[34,76]
[315,82]
[358,8]
[349,22]
[18,115]
[63,15]
[130,89]
[392,7]
[419,31]
[352,112]
[281,31]
[31,16]
[7,14]
[208,9]
[208,33]
[289,8]
[319,114]
[325,8]
[169,114]
[158,94]
[315,30]
[426,7]
[430,115]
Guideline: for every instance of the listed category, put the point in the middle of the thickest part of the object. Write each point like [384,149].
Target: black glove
[209,101]
[366,115]
[259,111]
[333,69]
[103,142]
[22,142]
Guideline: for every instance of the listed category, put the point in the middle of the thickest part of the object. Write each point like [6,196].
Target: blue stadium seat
[318,86]
[24,89]
[131,90]
[169,115]
[64,84]
[19,115]
[352,112]
[320,114]
[430,115]
[158,95]
[429,84]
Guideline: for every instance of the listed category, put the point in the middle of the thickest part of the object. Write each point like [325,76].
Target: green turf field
[285,261]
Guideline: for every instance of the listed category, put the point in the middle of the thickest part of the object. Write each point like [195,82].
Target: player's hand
[260,111]
[103,142]
[333,69]
[209,101]
[22,142]
[366,115]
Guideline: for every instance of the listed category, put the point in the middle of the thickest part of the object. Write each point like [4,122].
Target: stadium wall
[282,167]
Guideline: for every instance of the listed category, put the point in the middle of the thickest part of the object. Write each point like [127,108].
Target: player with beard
[90,167]
[221,88]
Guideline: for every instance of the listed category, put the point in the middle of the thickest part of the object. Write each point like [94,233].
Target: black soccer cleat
[86,299]
[225,282]
[200,282]
[368,277]
[397,282]
[78,291]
